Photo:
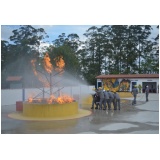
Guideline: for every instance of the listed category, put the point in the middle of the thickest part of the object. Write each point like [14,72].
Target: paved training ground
[143,118]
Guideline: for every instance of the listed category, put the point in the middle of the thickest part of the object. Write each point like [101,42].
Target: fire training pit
[57,106]
[60,106]
[42,110]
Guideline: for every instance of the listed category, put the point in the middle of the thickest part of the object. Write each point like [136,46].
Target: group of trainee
[103,99]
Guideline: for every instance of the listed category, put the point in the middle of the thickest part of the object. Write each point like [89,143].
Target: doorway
[152,86]
[99,84]
[134,84]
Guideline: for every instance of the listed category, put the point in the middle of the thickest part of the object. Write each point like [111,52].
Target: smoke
[55,79]
[67,79]
[23,67]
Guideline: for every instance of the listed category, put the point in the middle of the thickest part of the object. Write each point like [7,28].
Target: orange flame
[60,100]
[64,99]
[59,63]
[51,99]
[30,99]
[47,64]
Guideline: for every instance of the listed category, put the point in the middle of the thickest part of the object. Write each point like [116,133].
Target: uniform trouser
[146,96]
[114,103]
[117,102]
[134,100]
[101,102]
[97,104]
[106,103]
[93,102]
[110,102]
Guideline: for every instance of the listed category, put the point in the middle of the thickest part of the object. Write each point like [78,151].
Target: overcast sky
[55,30]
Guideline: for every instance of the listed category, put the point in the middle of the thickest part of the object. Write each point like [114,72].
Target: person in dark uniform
[111,99]
[101,95]
[134,92]
[147,93]
[94,98]
[106,100]
[97,101]
[116,100]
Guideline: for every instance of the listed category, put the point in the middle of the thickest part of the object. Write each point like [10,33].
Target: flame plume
[47,64]
[60,64]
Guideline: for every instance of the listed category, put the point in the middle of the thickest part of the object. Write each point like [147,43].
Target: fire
[30,99]
[51,99]
[59,63]
[64,99]
[60,100]
[47,64]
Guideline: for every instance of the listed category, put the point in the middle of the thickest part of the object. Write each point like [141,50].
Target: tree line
[109,49]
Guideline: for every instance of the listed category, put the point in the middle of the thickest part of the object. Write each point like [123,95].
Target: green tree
[4,53]
[93,53]
[155,54]
[25,43]
[119,54]
[68,46]
[60,41]
[71,61]
[140,35]
[73,41]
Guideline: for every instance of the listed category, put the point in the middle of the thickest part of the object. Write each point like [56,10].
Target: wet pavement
[142,118]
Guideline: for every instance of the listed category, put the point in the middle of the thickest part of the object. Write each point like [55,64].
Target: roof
[128,76]
[14,78]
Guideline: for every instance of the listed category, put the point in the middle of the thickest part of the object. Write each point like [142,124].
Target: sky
[53,31]
[72,17]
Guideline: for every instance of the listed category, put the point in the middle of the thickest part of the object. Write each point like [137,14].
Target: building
[125,82]
[14,82]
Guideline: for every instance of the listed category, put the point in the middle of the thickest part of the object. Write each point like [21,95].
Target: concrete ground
[143,118]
